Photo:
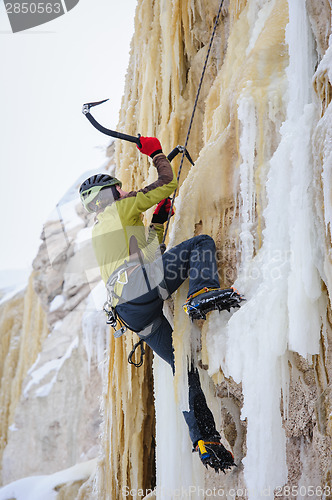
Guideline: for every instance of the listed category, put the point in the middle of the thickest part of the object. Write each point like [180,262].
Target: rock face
[51,380]
[57,418]
[261,186]
[23,330]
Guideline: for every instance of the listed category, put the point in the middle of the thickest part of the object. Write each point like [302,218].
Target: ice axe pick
[113,133]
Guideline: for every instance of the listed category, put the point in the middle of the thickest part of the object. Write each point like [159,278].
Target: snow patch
[257,20]
[12,282]
[55,365]
[57,302]
[10,294]
[43,487]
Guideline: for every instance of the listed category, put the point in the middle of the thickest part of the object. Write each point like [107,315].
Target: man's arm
[158,190]
[160,216]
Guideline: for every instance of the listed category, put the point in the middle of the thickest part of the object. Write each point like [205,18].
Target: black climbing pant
[141,307]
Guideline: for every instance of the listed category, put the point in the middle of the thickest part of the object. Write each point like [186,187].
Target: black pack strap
[130,357]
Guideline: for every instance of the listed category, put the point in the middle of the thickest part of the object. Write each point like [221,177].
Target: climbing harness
[193,113]
[120,276]
[112,316]
[113,319]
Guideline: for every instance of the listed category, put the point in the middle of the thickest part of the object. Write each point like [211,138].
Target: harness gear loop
[131,354]
[112,319]
[193,114]
[126,278]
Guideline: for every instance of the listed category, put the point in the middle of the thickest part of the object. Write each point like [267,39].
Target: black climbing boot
[210,299]
[214,455]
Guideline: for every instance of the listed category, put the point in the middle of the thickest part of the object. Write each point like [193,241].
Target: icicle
[304,280]
[247,117]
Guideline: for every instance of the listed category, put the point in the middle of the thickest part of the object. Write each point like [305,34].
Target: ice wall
[260,186]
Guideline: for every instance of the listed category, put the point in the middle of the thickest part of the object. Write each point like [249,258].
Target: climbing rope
[193,114]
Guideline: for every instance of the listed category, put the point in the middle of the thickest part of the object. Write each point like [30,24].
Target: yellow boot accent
[201,447]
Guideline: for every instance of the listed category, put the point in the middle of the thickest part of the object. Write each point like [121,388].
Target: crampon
[211,299]
[215,455]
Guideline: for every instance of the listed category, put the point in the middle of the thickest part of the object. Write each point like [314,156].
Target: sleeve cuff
[155,153]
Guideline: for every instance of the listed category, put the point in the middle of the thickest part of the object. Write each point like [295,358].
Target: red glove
[160,215]
[150,146]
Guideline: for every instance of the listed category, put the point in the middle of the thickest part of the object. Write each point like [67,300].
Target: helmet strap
[104,198]
[116,194]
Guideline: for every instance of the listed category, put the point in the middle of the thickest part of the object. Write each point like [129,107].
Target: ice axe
[118,135]
[125,137]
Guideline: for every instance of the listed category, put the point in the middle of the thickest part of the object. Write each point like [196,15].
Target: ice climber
[138,279]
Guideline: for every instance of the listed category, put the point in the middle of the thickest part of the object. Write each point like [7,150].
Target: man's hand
[160,215]
[150,146]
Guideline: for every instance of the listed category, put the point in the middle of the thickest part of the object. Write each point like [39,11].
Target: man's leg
[161,342]
[194,259]
[200,421]
[199,418]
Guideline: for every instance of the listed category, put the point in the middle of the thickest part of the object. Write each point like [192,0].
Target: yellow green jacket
[119,231]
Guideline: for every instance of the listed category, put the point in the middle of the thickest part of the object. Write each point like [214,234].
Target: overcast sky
[47,73]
